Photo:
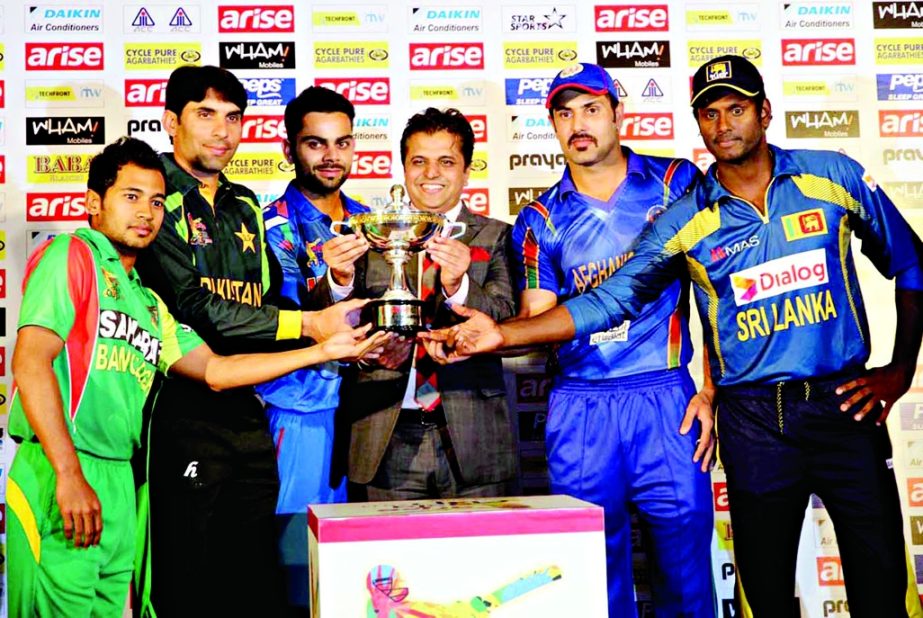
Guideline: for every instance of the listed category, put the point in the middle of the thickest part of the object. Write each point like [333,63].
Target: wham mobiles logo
[251,18]
[43,207]
[257,55]
[900,123]
[632,18]
[145,92]
[360,90]
[786,274]
[633,54]
[268,91]
[816,52]
[446,56]
[900,87]
[897,14]
[65,130]
[64,57]
[262,129]
[822,124]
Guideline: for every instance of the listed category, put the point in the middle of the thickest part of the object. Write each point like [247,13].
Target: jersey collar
[105,250]
[180,180]
[296,200]
[782,165]
[636,165]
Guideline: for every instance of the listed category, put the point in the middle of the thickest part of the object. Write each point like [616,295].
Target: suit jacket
[473,392]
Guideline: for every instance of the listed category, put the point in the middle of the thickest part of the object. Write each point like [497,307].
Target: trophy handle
[336,225]
[449,230]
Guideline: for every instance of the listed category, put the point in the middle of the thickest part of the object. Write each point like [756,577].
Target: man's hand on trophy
[355,345]
[477,335]
[394,352]
[340,255]
[453,258]
[338,318]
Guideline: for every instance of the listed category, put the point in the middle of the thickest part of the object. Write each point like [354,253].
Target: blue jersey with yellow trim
[296,232]
[777,293]
[569,243]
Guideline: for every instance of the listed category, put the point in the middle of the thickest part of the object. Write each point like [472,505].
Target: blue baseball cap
[586,77]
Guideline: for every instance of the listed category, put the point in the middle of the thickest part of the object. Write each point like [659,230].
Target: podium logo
[818,124]
[632,18]
[257,55]
[42,207]
[262,129]
[786,274]
[887,15]
[647,126]
[446,56]
[65,130]
[818,52]
[829,571]
[268,91]
[360,90]
[374,164]
[477,200]
[900,123]
[240,19]
[633,54]
[64,57]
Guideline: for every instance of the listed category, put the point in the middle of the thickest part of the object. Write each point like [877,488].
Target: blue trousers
[616,443]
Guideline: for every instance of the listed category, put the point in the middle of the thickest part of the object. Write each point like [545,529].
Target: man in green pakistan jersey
[212,473]
[90,340]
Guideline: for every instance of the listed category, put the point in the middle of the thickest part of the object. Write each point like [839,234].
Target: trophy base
[396,316]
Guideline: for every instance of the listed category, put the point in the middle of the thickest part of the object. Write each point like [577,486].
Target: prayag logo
[804,224]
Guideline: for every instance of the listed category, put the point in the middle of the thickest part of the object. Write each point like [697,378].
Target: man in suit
[420,430]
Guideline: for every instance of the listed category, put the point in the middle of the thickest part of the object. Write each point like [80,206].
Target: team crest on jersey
[804,224]
[112,285]
[315,251]
[246,239]
[655,211]
[155,314]
[198,233]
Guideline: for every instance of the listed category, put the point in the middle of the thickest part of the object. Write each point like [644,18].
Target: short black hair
[191,84]
[315,99]
[105,166]
[433,120]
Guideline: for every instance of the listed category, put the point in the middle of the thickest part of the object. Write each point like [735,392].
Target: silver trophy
[399,232]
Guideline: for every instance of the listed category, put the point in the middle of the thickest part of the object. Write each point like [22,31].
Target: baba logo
[900,123]
[527,90]
[359,90]
[804,224]
[241,19]
[524,19]
[368,165]
[793,272]
[900,87]
[818,52]
[818,124]
[268,91]
[446,56]
[888,15]
[43,169]
[44,207]
[477,200]
[65,130]
[64,57]
[632,18]
[647,126]
[633,54]
[145,92]
[46,18]
[258,129]
[257,55]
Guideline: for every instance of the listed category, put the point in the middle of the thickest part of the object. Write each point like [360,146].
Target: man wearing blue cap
[616,432]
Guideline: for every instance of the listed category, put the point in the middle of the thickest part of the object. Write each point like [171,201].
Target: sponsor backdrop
[841,75]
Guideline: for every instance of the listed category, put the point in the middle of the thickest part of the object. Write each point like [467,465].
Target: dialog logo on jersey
[252,18]
[900,123]
[632,18]
[64,57]
[888,15]
[633,54]
[804,224]
[786,274]
[446,56]
[818,52]
[65,130]
[257,55]
[268,91]
[44,207]
[145,92]
[360,90]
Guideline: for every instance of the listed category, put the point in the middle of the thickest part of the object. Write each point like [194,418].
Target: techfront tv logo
[786,274]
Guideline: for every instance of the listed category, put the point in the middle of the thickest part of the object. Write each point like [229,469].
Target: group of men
[223,528]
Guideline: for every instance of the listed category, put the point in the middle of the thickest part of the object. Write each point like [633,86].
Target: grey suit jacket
[473,393]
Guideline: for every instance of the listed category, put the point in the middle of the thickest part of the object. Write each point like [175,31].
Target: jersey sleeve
[887,239]
[177,339]
[533,234]
[683,179]
[283,240]
[58,274]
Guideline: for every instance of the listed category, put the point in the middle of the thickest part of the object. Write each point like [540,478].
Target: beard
[312,183]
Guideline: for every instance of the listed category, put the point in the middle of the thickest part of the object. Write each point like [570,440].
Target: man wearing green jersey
[90,339]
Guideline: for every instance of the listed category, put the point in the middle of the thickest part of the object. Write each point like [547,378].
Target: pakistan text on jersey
[245,292]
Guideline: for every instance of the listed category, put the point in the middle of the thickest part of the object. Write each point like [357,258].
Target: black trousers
[213,488]
[781,443]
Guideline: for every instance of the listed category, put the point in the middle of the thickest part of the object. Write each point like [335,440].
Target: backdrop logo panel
[65,130]
[359,90]
[351,55]
[269,91]
[54,19]
[446,56]
[64,57]
[632,18]
[58,94]
[257,55]
[633,54]
[240,19]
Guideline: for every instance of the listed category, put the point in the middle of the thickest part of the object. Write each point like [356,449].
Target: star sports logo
[794,272]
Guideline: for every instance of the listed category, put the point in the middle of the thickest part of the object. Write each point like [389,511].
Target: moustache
[577,136]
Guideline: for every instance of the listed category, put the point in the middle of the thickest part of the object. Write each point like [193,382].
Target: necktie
[427,390]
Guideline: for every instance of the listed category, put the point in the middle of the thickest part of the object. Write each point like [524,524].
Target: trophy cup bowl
[399,233]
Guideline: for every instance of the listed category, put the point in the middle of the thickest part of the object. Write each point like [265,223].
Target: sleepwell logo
[527,90]
[900,86]
[268,91]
